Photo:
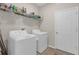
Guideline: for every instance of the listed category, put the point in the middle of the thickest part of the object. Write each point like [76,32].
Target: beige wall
[48,24]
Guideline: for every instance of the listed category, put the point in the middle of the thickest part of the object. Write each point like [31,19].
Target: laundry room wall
[10,21]
[48,23]
[47,13]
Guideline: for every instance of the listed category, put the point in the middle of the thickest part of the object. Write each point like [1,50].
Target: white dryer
[42,40]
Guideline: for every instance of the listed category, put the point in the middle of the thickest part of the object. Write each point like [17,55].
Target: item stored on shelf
[14,9]
[19,11]
[4,7]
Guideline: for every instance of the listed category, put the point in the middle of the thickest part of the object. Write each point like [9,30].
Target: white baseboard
[52,46]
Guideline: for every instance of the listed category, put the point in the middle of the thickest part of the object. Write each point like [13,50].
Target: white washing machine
[21,43]
[42,40]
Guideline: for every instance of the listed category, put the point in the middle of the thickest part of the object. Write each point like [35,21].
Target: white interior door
[66,30]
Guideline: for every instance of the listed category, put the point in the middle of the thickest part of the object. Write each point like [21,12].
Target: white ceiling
[40,4]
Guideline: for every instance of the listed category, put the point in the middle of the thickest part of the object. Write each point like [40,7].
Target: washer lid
[18,35]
